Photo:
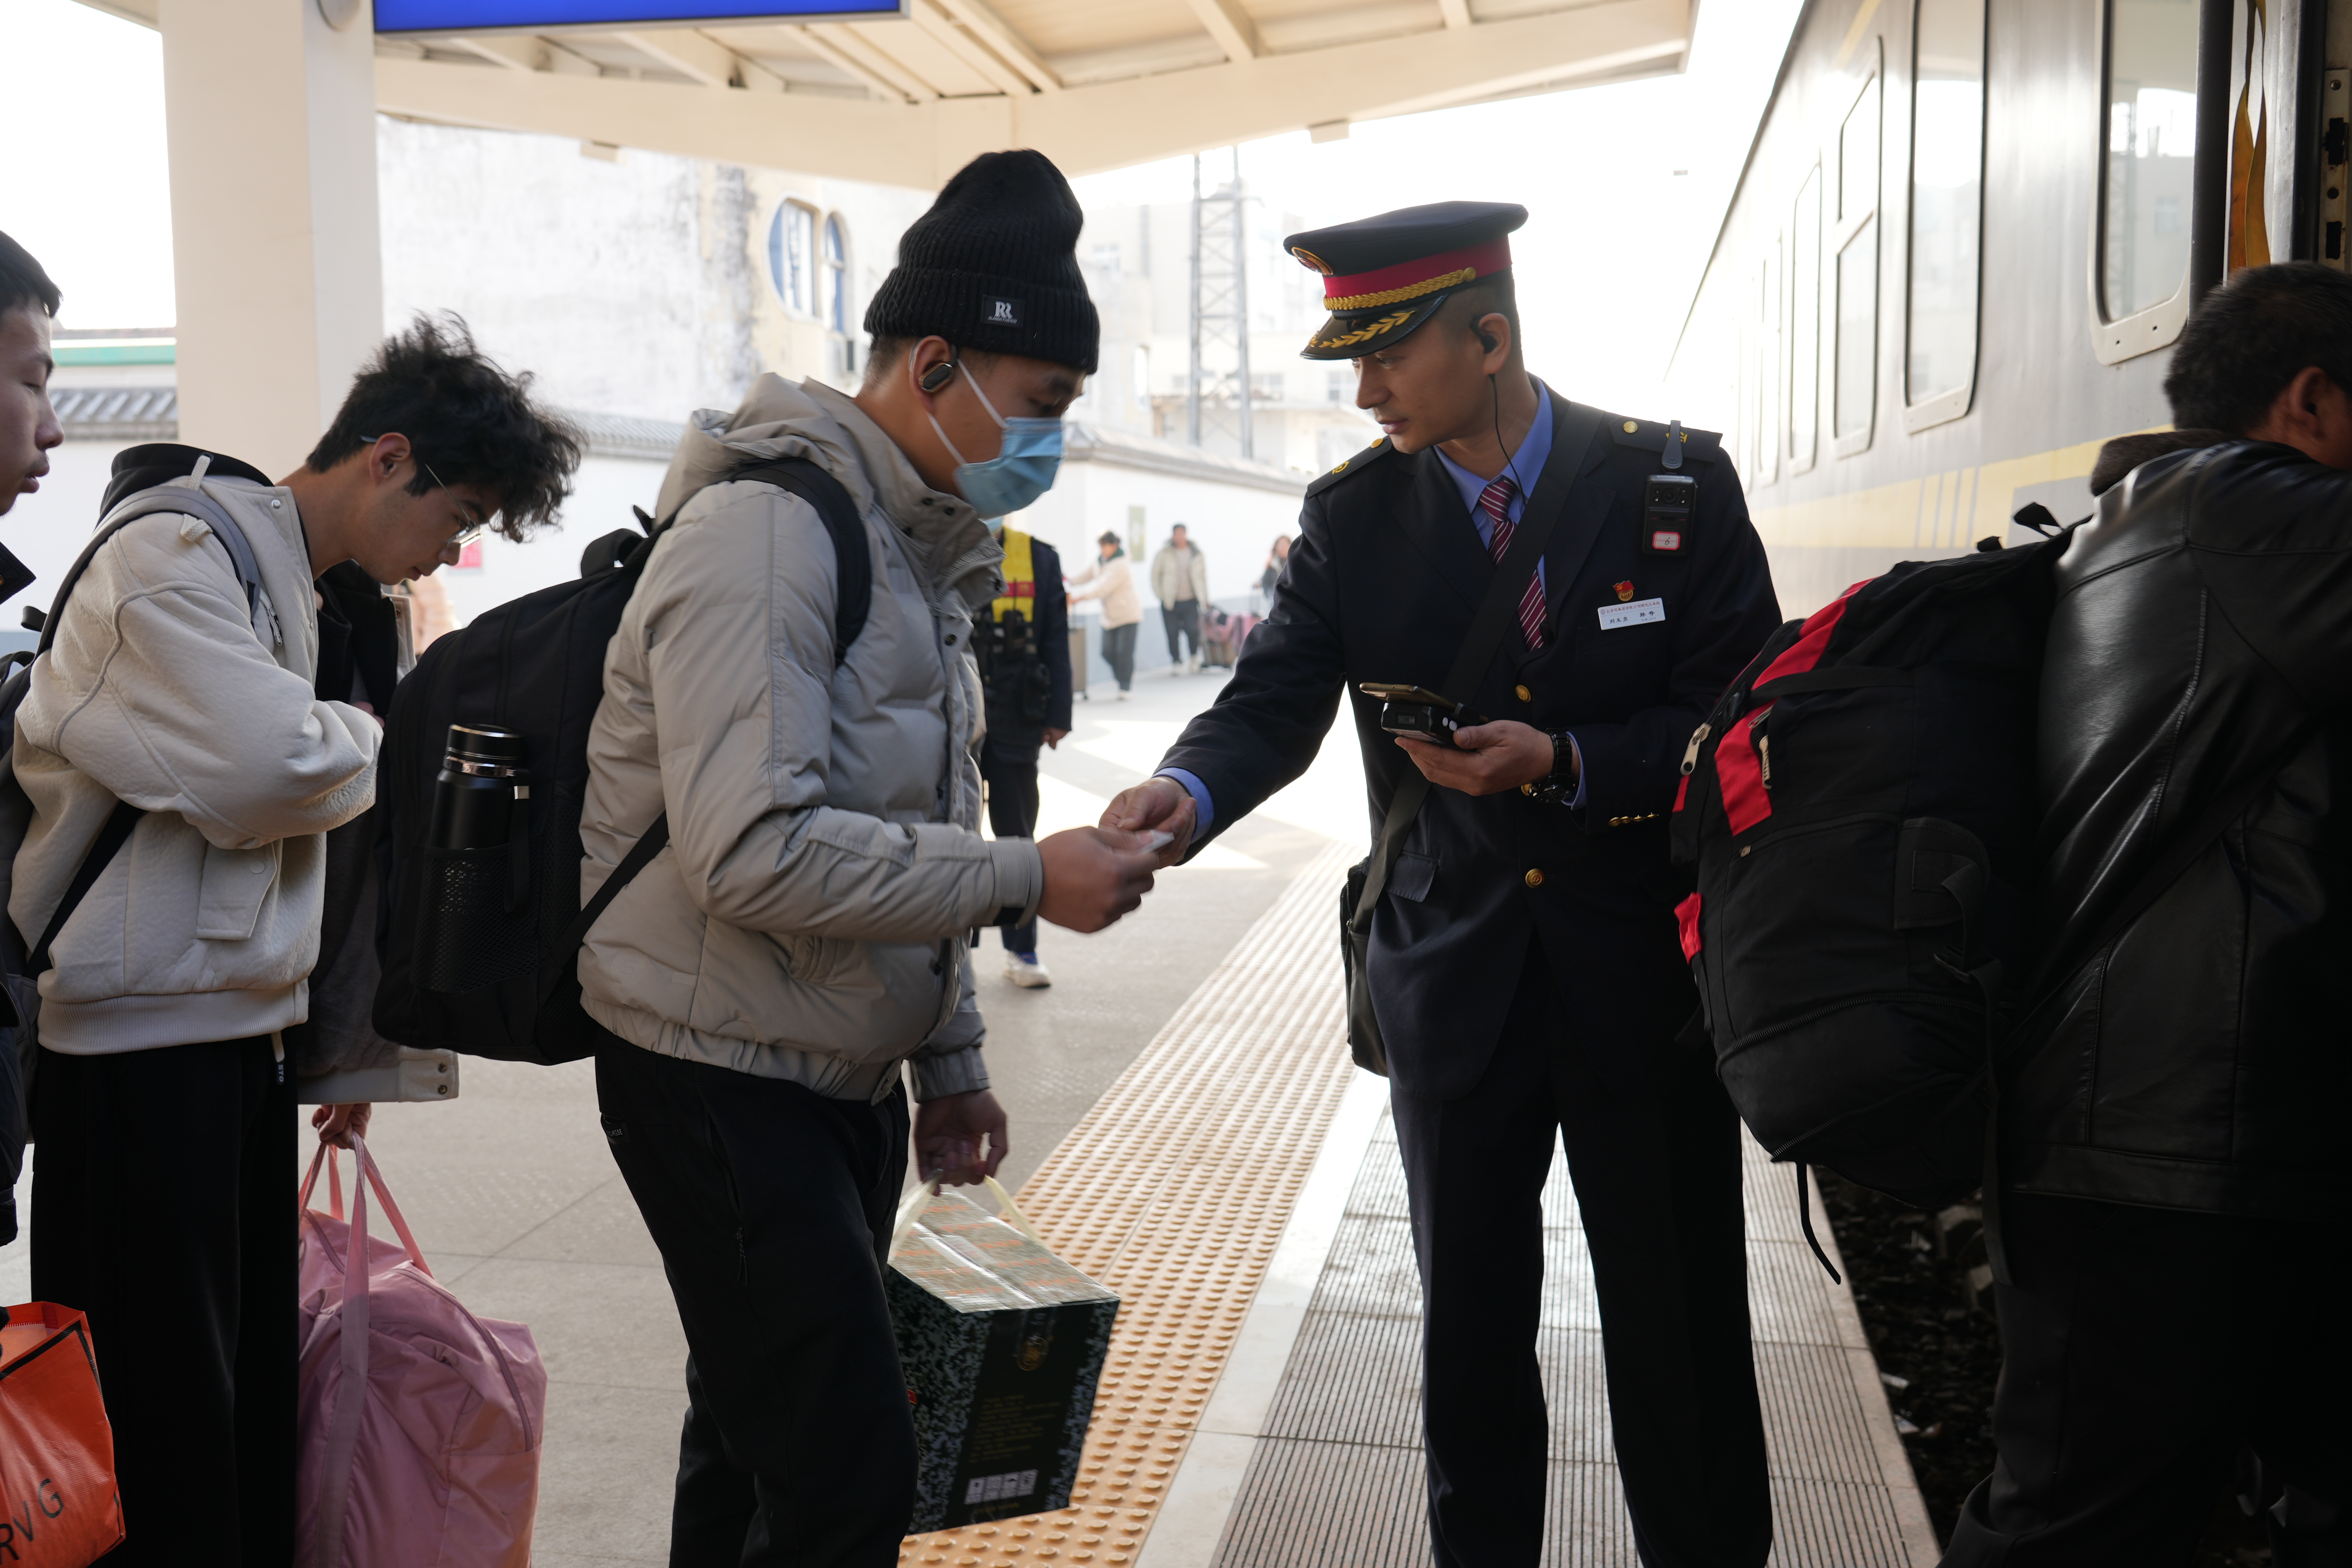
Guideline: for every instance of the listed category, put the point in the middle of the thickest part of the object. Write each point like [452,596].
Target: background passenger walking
[1179,581]
[1270,580]
[1110,579]
[1024,672]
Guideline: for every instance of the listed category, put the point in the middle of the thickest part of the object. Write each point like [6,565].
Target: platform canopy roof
[1095,84]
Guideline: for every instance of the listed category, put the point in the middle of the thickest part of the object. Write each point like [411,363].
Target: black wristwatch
[1557,787]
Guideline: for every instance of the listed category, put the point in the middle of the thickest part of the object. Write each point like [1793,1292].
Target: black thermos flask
[482,776]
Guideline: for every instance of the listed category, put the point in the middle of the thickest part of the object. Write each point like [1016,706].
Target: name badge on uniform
[1639,612]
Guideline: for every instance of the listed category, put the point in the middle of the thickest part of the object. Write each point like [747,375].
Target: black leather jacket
[2202,639]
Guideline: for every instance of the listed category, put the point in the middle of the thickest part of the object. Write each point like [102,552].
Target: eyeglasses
[468,514]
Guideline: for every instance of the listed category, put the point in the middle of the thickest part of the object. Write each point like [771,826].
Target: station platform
[1188,1128]
[1239,1186]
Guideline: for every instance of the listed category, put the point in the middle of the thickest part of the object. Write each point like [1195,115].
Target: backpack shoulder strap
[641,854]
[177,496]
[111,839]
[851,549]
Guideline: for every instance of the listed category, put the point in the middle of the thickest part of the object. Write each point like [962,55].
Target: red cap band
[1412,279]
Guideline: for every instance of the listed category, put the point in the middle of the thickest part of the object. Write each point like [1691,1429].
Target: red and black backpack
[1860,808]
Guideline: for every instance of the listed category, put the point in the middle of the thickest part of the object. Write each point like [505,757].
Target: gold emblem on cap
[1312,262]
[1360,334]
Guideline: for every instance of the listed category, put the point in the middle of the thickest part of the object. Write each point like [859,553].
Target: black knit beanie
[993,266]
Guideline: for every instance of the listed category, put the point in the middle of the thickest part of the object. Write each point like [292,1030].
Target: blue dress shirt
[1525,464]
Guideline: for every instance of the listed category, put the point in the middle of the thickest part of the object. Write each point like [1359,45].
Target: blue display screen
[472,15]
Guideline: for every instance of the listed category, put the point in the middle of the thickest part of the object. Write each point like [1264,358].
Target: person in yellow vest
[1024,672]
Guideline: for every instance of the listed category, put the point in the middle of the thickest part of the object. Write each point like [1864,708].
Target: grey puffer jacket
[809,920]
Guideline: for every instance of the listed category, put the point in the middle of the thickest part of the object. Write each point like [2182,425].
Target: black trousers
[161,1188]
[1010,770]
[2143,1350]
[1654,1149]
[1182,616]
[1119,652]
[771,1206]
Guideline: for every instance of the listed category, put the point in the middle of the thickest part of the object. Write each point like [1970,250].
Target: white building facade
[635,287]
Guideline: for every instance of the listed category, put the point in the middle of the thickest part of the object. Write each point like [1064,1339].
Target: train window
[1947,208]
[1858,156]
[1854,367]
[1805,324]
[1857,338]
[2150,135]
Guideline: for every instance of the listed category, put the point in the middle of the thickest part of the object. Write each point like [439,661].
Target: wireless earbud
[936,378]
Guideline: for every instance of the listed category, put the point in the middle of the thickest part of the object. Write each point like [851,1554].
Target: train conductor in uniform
[1523,961]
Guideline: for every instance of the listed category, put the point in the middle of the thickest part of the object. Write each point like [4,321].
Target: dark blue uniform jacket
[1381,586]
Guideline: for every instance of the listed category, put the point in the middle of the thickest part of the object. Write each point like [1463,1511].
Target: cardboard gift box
[1003,1344]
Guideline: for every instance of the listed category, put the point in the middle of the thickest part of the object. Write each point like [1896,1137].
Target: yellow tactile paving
[1173,1192]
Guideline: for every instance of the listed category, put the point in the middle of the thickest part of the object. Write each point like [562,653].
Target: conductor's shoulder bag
[1498,612]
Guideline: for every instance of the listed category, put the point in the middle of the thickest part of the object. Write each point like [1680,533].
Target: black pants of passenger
[1182,618]
[1010,771]
[1119,652]
[772,1206]
[163,1189]
[1653,1151]
[2143,1350]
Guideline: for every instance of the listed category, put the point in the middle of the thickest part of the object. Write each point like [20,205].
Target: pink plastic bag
[419,1423]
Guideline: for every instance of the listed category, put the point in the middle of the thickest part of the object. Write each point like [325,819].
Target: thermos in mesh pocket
[478,925]
[468,939]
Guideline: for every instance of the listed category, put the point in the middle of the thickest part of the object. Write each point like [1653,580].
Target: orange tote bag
[59,1506]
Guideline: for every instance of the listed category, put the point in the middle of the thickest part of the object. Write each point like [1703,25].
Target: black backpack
[1860,806]
[498,979]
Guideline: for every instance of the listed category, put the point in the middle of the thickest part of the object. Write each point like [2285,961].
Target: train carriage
[1968,233]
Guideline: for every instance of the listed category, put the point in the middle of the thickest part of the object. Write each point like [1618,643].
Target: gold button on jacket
[1534,878]
[1523,694]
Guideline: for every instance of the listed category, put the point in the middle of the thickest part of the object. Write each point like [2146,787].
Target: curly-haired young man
[163,1090]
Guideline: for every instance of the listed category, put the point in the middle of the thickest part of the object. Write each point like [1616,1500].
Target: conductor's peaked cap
[993,266]
[1383,277]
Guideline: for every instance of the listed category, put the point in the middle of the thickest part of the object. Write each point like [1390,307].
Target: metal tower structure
[1217,391]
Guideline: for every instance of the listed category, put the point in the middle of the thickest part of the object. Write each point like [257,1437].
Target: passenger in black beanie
[766,979]
[993,266]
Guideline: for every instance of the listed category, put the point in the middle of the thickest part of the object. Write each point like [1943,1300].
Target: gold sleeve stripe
[1398,296]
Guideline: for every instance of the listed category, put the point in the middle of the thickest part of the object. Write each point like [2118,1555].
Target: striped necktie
[1494,500]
